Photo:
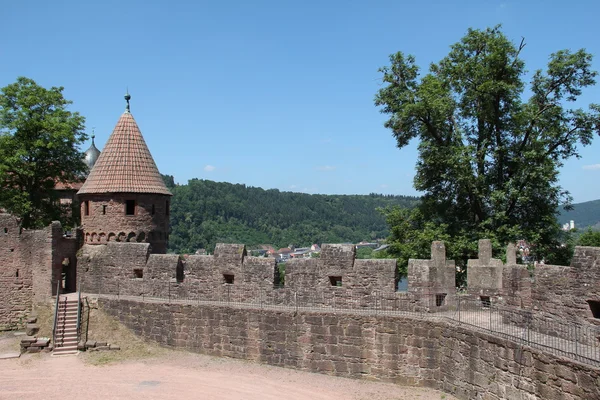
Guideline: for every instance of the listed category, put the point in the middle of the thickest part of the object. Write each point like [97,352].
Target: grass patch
[45,319]
[105,328]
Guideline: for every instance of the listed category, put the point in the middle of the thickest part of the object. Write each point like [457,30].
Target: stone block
[28,339]
[100,344]
[41,342]
[32,329]
[90,344]
[34,349]
[115,347]
[102,347]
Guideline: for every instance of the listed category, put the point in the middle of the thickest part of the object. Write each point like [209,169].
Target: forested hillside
[204,213]
[584,214]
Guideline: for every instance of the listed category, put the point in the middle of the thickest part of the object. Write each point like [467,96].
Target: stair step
[63,351]
[68,346]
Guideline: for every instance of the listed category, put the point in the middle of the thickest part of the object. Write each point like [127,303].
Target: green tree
[364,253]
[589,238]
[38,148]
[488,159]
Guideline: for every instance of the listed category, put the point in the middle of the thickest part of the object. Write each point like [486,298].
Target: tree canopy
[204,213]
[38,148]
[589,238]
[490,146]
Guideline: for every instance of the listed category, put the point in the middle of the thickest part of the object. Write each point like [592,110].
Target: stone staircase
[66,325]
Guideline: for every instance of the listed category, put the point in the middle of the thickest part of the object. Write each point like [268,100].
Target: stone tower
[124,198]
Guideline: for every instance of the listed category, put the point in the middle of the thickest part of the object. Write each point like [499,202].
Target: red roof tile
[125,164]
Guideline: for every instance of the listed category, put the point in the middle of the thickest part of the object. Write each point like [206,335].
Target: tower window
[129,207]
[86,207]
[228,279]
[104,209]
[153,209]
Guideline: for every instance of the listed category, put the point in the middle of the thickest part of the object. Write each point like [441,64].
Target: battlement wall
[567,292]
[129,269]
[31,263]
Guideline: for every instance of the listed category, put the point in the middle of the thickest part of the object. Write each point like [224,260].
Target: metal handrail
[78,312]
[56,312]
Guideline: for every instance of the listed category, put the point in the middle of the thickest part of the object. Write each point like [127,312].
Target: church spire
[127,98]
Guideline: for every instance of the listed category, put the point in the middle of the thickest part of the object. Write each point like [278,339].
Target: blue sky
[274,94]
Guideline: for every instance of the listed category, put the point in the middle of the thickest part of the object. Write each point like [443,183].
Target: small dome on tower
[91,155]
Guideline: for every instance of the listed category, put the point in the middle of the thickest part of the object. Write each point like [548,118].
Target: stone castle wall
[31,262]
[130,269]
[404,350]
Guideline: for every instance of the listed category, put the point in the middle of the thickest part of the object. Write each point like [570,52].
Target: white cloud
[384,186]
[293,186]
[325,168]
[592,166]
[210,168]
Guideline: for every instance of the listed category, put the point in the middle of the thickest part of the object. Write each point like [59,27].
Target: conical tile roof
[125,165]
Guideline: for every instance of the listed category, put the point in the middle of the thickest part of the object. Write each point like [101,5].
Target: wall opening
[594,307]
[153,209]
[335,281]
[486,302]
[439,299]
[129,207]
[402,284]
[228,279]
[179,272]
[86,207]
[104,209]
[6,231]
[138,273]
[17,273]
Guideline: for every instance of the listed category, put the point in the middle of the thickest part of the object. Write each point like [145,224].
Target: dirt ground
[180,375]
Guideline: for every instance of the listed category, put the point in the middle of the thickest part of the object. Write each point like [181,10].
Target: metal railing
[56,311]
[569,339]
[78,312]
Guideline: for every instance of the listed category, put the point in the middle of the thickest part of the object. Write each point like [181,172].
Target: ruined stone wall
[31,262]
[432,353]
[434,276]
[516,284]
[484,274]
[337,268]
[113,268]
[564,292]
[104,220]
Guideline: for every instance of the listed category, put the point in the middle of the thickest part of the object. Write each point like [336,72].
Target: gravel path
[179,375]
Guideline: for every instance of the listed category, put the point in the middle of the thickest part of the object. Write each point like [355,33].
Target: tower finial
[93,134]
[127,98]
